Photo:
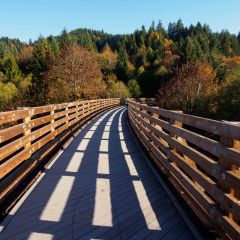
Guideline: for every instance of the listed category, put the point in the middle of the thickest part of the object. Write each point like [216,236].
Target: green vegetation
[189,68]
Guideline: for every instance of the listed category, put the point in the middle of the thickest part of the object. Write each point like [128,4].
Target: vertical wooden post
[177,124]
[27,132]
[83,108]
[66,116]
[88,106]
[77,113]
[142,100]
[231,143]
[143,111]
[182,140]
[157,116]
[53,119]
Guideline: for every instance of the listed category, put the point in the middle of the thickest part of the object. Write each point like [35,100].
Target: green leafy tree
[43,58]
[14,85]
[134,88]
[117,89]
[10,70]
[122,66]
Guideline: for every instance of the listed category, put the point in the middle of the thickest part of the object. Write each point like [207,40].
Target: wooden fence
[27,135]
[201,157]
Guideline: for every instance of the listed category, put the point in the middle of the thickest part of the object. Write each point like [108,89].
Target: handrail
[26,131]
[201,157]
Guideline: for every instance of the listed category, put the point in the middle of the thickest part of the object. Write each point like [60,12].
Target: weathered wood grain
[202,164]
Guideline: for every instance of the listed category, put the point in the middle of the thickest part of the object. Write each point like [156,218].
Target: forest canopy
[186,68]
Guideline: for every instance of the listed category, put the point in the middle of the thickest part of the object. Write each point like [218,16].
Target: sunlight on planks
[58,200]
[102,200]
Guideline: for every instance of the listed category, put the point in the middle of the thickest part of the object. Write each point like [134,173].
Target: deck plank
[99,187]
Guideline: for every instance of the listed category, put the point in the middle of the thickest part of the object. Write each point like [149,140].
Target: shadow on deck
[99,187]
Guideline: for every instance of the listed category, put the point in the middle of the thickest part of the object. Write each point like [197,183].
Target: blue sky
[26,19]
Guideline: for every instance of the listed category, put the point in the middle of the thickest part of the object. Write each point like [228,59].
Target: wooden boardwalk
[99,187]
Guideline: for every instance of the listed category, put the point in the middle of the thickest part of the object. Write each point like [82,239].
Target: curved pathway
[99,187]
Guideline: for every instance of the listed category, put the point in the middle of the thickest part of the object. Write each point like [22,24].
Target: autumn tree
[75,75]
[13,84]
[24,58]
[191,81]
[109,54]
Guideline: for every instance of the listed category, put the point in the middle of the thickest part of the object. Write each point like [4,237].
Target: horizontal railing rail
[27,135]
[200,156]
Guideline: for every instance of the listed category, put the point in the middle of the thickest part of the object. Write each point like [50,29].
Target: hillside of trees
[186,68]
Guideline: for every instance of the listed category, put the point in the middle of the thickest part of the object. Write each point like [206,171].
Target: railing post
[88,106]
[53,119]
[157,116]
[77,113]
[182,141]
[27,132]
[66,115]
[83,108]
[142,100]
[177,124]
[231,143]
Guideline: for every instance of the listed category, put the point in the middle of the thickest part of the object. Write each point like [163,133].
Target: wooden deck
[99,187]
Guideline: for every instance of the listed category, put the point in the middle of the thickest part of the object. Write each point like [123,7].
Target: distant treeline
[189,68]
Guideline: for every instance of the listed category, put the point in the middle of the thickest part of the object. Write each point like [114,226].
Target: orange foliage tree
[109,55]
[191,81]
[75,75]
[169,56]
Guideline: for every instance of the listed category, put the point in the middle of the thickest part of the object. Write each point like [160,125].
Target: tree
[134,88]
[109,54]
[8,92]
[160,29]
[42,59]
[192,80]
[54,45]
[14,85]
[179,30]
[190,53]
[25,57]
[66,39]
[224,103]
[226,43]
[121,65]
[10,70]
[78,72]
[117,89]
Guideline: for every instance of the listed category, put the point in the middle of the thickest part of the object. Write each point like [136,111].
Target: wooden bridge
[78,171]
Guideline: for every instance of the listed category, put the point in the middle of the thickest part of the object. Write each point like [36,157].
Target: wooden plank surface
[201,157]
[100,187]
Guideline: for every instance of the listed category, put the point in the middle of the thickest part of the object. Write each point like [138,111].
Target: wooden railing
[201,157]
[27,135]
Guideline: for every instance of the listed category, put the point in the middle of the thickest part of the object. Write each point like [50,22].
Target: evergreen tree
[179,30]
[226,43]
[134,88]
[190,50]
[121,65]
[42,58]
[66,39]
[10,70]
[54,45]
[160,29]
